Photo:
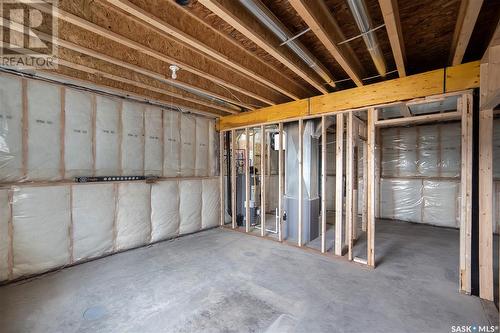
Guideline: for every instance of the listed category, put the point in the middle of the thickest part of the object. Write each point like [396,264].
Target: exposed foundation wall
[50,133]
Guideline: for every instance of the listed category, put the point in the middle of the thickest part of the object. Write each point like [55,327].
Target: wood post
[301,179]
[365,186]
[262,181]
[323,184]
[247,181]
[280,181]
[232,151]
[486,204]
[221,179]
[339,186]
[372,118]
[349,173]
[464,105]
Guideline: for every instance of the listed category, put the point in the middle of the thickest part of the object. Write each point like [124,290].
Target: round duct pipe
[183,2]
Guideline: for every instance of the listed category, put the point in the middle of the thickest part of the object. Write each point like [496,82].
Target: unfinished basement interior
[249,166]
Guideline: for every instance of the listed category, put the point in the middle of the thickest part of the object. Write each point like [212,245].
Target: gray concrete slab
[226,281]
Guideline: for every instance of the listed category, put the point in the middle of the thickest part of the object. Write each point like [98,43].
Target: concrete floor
[227,281]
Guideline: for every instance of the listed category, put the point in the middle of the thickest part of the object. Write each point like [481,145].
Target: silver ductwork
[266,17]
[363,21]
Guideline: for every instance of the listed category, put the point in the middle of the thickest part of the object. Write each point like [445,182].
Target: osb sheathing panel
[169,12]
[220,25]
[114,20]
[427,27]
[97,64]
[99,80]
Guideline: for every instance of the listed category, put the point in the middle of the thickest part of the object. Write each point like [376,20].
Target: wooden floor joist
[227,54]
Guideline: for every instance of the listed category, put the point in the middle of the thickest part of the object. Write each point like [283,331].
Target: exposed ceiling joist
[318,18]
[238,17]
[466,21]
[392,22]
[91,27]
[189,40]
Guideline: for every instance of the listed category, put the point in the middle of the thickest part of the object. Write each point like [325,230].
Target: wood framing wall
[354,129]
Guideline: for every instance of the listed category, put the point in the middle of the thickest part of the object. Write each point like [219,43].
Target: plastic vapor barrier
[40,220]
[4,234]
[78,158]
[202,144]
[50,133]
[132,139]
[44,131]
[93,215]
[172,148]
[107,140]
[188,139]
[11,129]
[164,210]
[153,154]
[190,206]
[210,213]
[420,174]
[133,227]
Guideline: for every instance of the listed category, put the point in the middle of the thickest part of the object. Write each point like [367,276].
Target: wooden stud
[263,181]
[464,105]
[339,184]
[301,182]
[349,174]
[372,118]
[120,137]
[221,178]
[355,178]
[365,187]
[247,180]
[10,232]
[70,228]
[233,152]
[486,286]
[280,181]
[323,184]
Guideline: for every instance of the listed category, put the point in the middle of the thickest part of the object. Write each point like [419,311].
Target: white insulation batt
[41,220]
[190,206]
[188,142]
[172,143]
[164,210]
[153,154]
[202,146]
[107,139]
[4,234]
[11,136]
[421,174]
[132,139]
[210,213]
[93,214]
[133,225]
[78,158]
[44,131]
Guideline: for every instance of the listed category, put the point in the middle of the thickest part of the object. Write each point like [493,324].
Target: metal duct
[266,17]
[363,21]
